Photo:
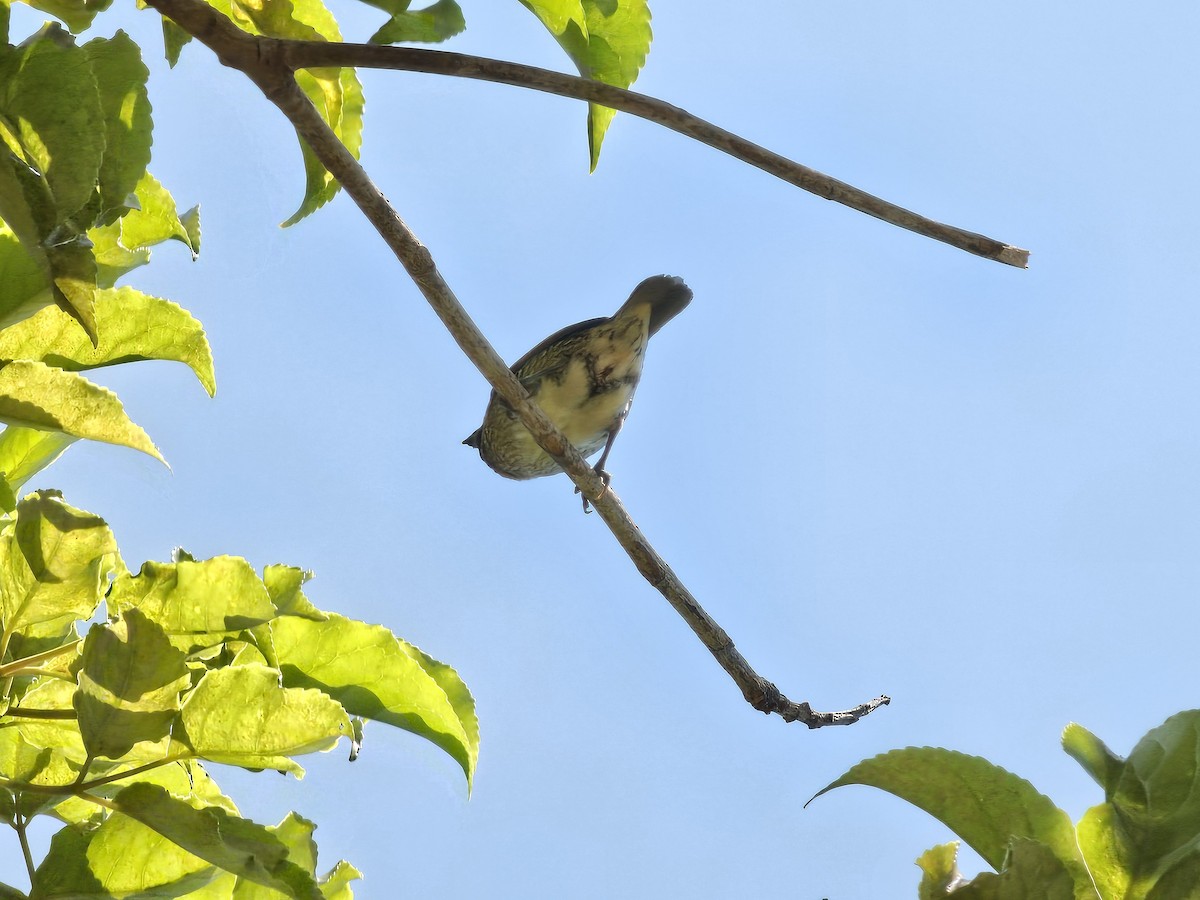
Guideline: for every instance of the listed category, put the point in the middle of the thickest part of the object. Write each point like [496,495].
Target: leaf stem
[20,823]
[17,666]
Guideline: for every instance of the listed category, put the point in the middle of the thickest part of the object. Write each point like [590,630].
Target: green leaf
[11,893]
[191,226]
[336,883]
[214,596]
[48,95]
[242,716]
[35,395]
[62,736]
[1152,818]
[131,326]
[156,219]
[982,803]
[186,779]
[1031,870]
[113,259]
[133,859]
[77,14]
[64,873]
[1107,852]
[432,25]
[1090,752]
[26,451]
[123,245]
[129,685]
[939,871]
[174,40]
[54,564]
[24,279]
[228,841]
[336,93]
[296,833]
[1158,793]
[1180,882]
[608,41]
[28,763]
[75,274]
[284,585]
[121,81]
[374,674]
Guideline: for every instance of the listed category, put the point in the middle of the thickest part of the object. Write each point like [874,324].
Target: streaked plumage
[584,377]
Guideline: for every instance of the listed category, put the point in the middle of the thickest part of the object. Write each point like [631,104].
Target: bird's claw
[587,504]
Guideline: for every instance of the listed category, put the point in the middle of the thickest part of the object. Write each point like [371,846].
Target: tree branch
[263,60]
[309,54]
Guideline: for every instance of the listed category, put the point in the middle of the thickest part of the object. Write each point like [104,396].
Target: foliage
[117,689]
[1141,843]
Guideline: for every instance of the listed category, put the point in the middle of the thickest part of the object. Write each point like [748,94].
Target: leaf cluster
[194,662]
[117,689]
[1141,843]
[606,40]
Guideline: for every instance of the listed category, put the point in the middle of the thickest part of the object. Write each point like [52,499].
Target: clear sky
[883,465]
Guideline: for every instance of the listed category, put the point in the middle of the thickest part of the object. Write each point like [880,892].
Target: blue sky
[883,465]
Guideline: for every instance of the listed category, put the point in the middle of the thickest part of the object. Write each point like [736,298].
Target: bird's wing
[537,363]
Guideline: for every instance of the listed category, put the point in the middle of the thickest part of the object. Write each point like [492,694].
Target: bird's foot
[607,479]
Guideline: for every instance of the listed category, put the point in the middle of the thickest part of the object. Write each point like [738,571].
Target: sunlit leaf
[374,674]
[187,780]
[243,716]
[35,395]
[296,833]
[1090,752]
[982,803]
[284,585]
[121,80]
[129,857]
[217,595]
[431,25]
[57,734]
[123,245]
[24,280]
[55,564]
[49,94]
[939,871]
[77,14]
[156,219]
[336,93]
[1031,870]
[228,841]
[26,451]
[31,764]
[608,41]
[129,685]
[1106,850]
[64,873]
[131,325]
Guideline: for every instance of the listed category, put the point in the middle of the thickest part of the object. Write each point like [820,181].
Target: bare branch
[265,62]
[307,54]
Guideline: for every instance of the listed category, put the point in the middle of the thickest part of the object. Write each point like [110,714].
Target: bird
[583,377]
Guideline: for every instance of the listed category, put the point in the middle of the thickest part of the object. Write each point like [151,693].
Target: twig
[309,54]
[262,61]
